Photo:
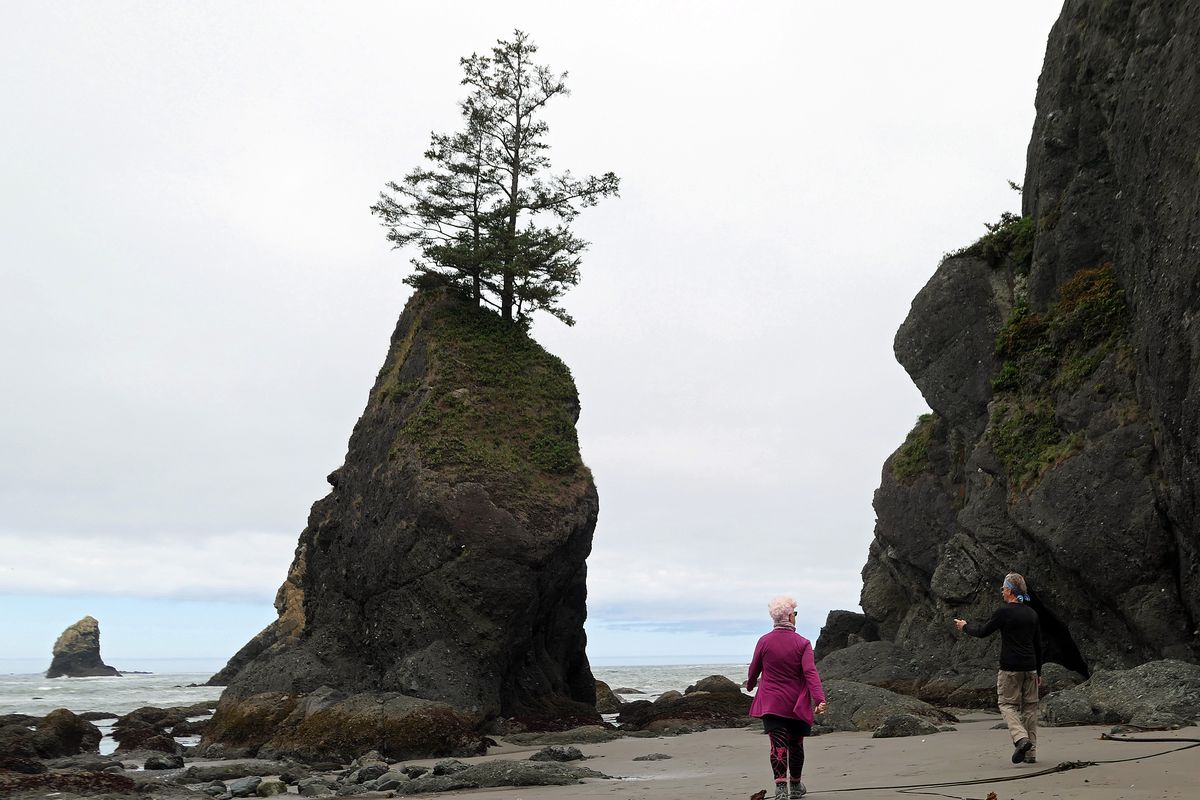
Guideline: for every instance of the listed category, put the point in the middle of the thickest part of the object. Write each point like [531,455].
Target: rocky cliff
[76,653]
[444,573]
[1058,355]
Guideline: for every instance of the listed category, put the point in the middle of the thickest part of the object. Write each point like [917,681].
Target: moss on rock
[251,722]
[495,408]
[1008,243]
[912,458]
[1047,353]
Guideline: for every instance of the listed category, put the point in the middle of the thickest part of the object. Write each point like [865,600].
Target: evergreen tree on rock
[488,214]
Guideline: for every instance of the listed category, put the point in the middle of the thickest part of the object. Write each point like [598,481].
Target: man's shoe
[1031,757]
[797,791]
[1022,747]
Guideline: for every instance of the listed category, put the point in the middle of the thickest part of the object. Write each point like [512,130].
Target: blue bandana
[1021,598]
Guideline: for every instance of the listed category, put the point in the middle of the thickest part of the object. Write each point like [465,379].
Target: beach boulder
[59,733]
[861,707]
[447,563]
[607,701]
[880,663]
[327,725]
[390,780]
[270,787]
[1056,678]
[189,728]
[91,762]
[367,773]
[1160,694]
[491,774]
[137,736]
[233,769]
[163,761]
[895,667]
[904,725]
[714,683]
[62,733]
[557,752]
[694,711]
[76,652]
[245,787]
[842,629]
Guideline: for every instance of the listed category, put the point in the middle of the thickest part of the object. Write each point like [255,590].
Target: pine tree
[489,215]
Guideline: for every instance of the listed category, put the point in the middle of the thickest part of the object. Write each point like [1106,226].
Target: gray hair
[781,608]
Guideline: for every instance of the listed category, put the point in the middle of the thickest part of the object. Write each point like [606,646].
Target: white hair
[781,608]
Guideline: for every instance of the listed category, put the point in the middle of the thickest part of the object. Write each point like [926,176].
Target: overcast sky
[195,298]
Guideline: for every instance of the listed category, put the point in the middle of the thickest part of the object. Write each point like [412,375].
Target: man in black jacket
[1020,664]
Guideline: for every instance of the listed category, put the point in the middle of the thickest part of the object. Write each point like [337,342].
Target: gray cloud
[196,299]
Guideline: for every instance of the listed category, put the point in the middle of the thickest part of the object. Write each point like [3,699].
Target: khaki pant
[1017,694]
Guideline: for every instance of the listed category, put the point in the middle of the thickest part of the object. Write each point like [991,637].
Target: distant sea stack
[77,652]
[1060,355]
[441,583]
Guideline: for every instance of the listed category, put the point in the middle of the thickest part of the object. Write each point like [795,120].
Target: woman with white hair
[789,692]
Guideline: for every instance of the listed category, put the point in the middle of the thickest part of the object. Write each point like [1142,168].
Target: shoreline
[732,762]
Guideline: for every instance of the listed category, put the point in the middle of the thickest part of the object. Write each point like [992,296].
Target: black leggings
[787,745]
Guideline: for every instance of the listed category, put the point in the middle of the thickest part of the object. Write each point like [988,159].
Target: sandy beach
[733,764]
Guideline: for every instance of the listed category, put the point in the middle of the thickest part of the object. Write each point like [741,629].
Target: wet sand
[733,764]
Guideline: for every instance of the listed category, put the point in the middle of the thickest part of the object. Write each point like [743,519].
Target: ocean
[176,682]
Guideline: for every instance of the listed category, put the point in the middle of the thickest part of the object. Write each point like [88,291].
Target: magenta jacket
[790,685]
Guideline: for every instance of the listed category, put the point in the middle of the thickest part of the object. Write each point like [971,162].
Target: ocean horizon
[37,666]
[165,682]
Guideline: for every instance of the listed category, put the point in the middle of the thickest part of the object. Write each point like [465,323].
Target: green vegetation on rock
[912,458]
[1047,353]
[1008,243]
[495,408]
[251,722]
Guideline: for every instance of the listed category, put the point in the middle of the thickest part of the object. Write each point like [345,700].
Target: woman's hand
[820,709]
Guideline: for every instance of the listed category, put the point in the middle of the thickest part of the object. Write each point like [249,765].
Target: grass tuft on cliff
[912,458]
[1044,354]
[494,407]
[1008,243]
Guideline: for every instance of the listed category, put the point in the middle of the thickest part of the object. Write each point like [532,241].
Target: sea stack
[440,584]
[1059,356]
[77,652]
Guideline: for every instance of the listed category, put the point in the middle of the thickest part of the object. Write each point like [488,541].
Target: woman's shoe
[781,791]
[797,791]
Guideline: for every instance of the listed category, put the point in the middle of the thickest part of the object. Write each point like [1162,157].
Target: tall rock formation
[1059,355]
[77,652]
[444,574]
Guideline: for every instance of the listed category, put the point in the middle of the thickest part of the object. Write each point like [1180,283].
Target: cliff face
[447,564]
[1113,173]
[1058,355]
